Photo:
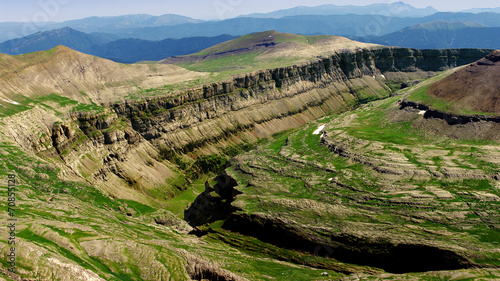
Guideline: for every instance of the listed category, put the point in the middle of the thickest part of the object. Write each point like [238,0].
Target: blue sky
[61,10]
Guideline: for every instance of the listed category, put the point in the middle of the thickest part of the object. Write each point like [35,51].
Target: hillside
[264,50]
[70,73]
[398,9]
[474,89]
[441,35]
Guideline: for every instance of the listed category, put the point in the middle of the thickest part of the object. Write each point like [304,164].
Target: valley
[269,157]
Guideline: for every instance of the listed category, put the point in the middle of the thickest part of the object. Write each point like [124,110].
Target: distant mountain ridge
[441,35]
[398,9]
[377,23]
[114,24]
[39,41]
[375,19]
[122,50]
[339,25]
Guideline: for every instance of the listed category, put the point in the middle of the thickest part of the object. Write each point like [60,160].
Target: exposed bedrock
[218,110]
[451,119]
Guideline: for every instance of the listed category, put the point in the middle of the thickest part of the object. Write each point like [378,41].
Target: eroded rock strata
[272,100]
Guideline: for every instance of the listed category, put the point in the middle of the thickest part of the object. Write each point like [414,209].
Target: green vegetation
[420,95]
[254,52]
[52,102]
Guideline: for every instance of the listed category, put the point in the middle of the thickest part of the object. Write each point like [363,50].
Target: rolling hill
[69,73]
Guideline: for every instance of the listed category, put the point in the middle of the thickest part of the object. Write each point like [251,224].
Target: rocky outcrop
[451,119]
[403,59]
[199,269]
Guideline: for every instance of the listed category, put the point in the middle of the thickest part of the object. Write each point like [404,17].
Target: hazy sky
[61,10]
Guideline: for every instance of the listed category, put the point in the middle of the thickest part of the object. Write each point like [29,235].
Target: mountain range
[121,50]
[133,38]
[398,9]
[111,25]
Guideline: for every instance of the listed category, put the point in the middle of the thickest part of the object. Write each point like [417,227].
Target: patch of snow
[318,131]
[422,112]
[9,101]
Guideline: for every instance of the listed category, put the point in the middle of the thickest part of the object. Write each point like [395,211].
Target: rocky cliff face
[254,100]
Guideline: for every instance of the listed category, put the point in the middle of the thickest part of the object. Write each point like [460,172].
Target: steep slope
[441,35]
[69,73]
[385,185]
[475,88]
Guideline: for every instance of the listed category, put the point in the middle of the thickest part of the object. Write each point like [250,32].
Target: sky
[62,10]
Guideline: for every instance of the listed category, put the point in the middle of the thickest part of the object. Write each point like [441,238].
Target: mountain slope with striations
[398,9]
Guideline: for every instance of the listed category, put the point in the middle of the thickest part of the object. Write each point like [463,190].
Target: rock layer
[214,111]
